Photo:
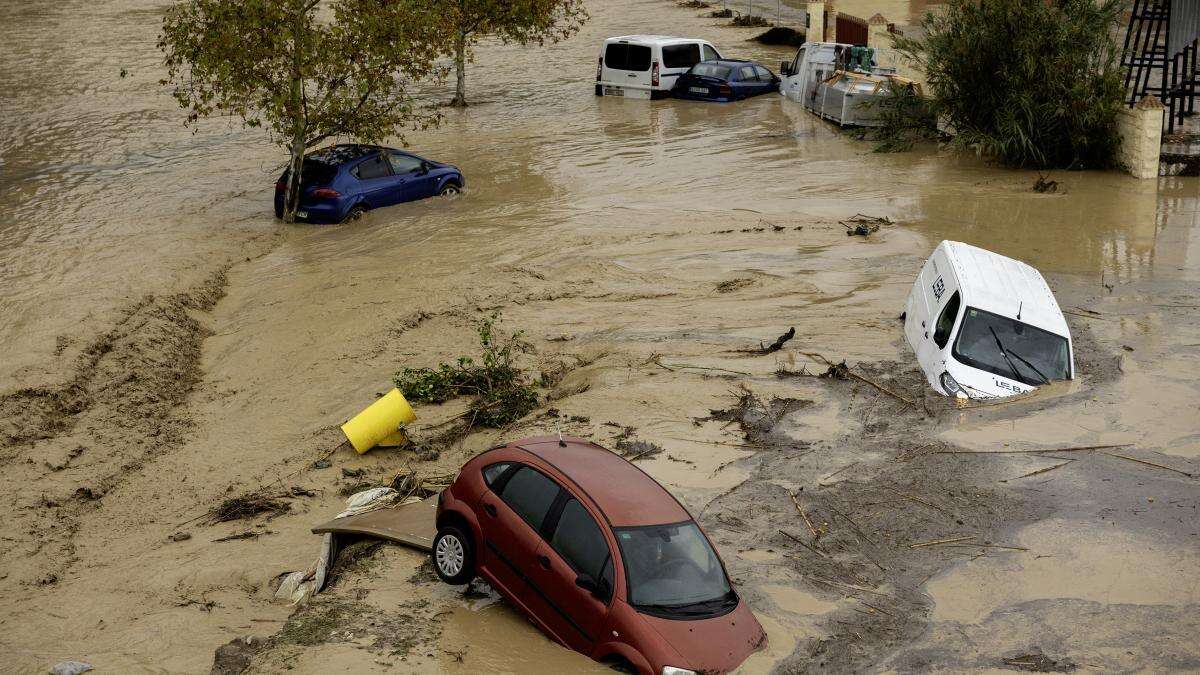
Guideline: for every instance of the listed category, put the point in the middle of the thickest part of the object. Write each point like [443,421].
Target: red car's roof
[622,491]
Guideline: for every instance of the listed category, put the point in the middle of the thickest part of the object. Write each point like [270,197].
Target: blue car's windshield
[1011,349]
[711,70]
[673,568]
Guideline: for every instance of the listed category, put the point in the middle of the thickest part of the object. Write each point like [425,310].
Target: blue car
[725,80]
[342,182]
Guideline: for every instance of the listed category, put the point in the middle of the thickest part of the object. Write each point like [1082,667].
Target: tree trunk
[291,198]
[460,71]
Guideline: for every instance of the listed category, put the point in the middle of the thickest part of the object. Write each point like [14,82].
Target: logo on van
[939,287]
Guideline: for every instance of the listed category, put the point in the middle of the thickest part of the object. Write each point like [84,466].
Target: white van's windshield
[1011,349]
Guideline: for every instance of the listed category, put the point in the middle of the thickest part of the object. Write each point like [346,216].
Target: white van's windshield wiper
[1004,352]
[1045,380]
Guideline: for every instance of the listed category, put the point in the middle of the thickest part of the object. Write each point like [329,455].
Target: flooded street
[169,344]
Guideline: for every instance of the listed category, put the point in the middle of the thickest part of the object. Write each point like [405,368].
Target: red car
[600,556]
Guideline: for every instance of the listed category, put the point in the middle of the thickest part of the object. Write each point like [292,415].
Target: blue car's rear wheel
[356,213]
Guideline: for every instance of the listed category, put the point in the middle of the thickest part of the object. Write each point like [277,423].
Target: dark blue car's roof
[336,155]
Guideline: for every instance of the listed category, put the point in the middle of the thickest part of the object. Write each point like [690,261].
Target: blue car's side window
[402,163]
[374,167]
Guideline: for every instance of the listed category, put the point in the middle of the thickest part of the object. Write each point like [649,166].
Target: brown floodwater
[599,226]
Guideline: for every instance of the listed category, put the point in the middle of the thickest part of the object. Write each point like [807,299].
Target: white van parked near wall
[645,66]
[983,325]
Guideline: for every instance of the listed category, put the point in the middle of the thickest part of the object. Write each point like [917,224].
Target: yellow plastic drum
[380,423]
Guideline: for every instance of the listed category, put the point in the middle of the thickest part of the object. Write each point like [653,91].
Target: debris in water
[635,450]
[756,418]
[749,21]
[863,225]
[721,13]
[71,668]
[694,4]
[233,657]
[248,534]
[247,506]
[732,285]
[781,35]
[322,464]
[1043,186]
[180,536]
[778,343]
[1038,662]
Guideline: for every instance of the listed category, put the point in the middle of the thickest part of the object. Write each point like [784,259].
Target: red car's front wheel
[453,556]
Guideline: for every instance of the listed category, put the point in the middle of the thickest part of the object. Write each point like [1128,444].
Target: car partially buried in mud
[597,554]
[983,325]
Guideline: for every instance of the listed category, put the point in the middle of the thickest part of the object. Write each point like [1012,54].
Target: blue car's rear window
[711,70]
[313,174]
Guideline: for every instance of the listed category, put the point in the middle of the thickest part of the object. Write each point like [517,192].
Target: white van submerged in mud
[645,66]
[984,325]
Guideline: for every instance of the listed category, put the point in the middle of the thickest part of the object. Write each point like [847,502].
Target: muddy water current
[603,228]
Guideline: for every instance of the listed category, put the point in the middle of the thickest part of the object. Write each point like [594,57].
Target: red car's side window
[530,494]
[578,539]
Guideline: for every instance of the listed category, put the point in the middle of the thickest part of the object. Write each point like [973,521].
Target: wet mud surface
[164,361]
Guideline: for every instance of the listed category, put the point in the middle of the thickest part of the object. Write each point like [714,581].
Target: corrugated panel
[1185,25]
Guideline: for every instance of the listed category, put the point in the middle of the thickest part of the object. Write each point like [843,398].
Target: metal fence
[774,11]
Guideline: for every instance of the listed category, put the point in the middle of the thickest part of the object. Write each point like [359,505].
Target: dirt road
[171,345]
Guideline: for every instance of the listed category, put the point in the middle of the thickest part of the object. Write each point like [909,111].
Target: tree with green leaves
[466,22]
[1033,83]
[304,70]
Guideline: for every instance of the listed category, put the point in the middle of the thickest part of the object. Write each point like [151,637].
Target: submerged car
[645,66]
[984,325]
[342,182]
[599,556]
[725,80]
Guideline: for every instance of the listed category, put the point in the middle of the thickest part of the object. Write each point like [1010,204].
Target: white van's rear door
[626,70]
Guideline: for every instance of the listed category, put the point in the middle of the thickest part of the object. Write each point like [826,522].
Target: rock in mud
[233,657]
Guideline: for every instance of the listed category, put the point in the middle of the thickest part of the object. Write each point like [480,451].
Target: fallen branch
[804,515]
[918,500]
[941,541]
[801,542]
[1142,461]
[656,359]
[1082,448]
[841,370]
[1040,471]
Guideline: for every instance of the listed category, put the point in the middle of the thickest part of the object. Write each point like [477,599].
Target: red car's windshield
[673,567]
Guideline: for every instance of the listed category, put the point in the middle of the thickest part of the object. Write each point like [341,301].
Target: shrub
[502,391]
[1029,82]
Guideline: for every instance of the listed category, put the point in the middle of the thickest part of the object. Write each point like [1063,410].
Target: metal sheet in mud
[410,524]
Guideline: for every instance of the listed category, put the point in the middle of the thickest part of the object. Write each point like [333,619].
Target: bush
[1029,82]
[502,391]
[906,118]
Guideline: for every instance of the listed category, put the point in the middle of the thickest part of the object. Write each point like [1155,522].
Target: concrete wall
[1140,128]
[879,39]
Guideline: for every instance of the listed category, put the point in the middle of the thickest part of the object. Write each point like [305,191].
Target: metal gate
[851,30]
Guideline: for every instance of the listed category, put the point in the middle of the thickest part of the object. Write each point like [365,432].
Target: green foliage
[906,118]
[502,391]
[465,22]
[1029,82]
[304,70]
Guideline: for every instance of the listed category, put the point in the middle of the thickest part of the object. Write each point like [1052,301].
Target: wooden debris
[1035,451]
[801,542]
[941,541]
[1040,471]
[1142,461]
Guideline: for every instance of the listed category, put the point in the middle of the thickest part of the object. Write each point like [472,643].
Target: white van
[984,326]
[645,66]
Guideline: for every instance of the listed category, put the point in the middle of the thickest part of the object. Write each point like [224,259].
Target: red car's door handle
[544,561]
[491,510]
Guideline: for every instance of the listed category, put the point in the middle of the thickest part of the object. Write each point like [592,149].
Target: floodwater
[602,228]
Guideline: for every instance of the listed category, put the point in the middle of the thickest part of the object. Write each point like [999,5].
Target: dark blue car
[342,182]
[725,80]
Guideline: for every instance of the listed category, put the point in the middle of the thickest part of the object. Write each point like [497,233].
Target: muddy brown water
[602,228]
